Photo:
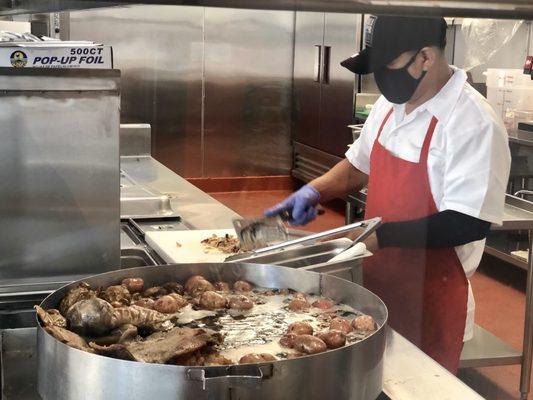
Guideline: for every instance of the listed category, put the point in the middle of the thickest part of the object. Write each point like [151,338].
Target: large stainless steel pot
[351,372]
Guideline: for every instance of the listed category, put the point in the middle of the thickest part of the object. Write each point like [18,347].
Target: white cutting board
[191,250]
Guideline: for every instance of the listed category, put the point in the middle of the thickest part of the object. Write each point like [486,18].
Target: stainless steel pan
[352,372]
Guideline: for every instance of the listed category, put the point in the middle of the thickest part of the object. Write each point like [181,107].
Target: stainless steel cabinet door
[338,83]
[309,37]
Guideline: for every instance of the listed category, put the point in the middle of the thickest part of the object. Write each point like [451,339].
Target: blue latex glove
[301,204]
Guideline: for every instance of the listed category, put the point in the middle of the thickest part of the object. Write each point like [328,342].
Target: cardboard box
[56,55]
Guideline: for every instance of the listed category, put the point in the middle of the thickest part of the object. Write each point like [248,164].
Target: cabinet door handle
[318,63]
[326,64]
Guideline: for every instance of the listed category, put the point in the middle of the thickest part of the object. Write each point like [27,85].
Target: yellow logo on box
[19,59]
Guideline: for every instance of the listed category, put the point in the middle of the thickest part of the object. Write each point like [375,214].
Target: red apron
[425,290]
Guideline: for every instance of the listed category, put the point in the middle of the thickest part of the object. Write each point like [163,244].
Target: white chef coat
[468,161]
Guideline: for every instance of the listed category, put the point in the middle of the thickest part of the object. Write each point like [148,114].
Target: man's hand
[301,204]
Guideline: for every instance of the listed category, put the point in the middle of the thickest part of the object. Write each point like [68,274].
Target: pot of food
[211,331]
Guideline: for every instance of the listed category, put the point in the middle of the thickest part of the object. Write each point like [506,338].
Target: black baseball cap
[386,37]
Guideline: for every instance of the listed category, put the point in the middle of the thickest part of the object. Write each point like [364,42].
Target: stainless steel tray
[314,257]
[138,201]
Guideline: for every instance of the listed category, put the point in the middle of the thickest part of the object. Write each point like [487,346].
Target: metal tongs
[259,232]
[370,226]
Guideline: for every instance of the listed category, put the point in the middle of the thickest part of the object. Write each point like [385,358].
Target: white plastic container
[508,91]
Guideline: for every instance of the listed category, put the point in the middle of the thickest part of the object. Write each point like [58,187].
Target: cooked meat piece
[222,286]
[216,359]
[333,339]
[309,344]
[143,318]
[162,347]
[197,284]
[240,302]
[254,358]
[134,285]
[136,297]
[60,333]
[117,294]
[97,317]
[82,292]
[166,304]
[226,244]
[154,292]
[127,333]
[287,340]
[341,325]
[212,301]
[173,287]
[327,316]
[192,281]
[300,328]
[180,301]
[57,318]
[145,302]
[324,304]
[299,305]
[364,323]
[300,295]
[117,304]
[195,359]
[51,317]
[198,358]
[69,338]
[122,334]
[91,317]
[242,286]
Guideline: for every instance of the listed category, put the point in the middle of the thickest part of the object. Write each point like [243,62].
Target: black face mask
[397,85]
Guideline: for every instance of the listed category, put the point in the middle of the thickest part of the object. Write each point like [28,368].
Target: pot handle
[242,376]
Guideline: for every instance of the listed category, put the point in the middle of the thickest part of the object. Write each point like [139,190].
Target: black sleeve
[444,229]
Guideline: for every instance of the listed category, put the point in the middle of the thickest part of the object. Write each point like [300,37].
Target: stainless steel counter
[197,209]
[412,375]
[518,214]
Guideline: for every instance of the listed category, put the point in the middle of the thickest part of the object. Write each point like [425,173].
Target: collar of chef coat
[441,105]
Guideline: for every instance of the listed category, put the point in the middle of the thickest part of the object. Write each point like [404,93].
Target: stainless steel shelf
[518,214]
[515,9]
[500,244]
[502,255]
[487,350]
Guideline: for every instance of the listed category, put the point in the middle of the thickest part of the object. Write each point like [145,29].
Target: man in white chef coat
[436,161]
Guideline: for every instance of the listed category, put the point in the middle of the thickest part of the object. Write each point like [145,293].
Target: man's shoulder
[473,112]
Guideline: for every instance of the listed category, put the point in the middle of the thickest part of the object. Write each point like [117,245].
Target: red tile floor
[499,292]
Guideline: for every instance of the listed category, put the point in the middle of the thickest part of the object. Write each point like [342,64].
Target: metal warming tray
[138,201]
[352,372]
[315,257]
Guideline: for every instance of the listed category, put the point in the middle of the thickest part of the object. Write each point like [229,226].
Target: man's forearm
[444,229]
[342,179]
